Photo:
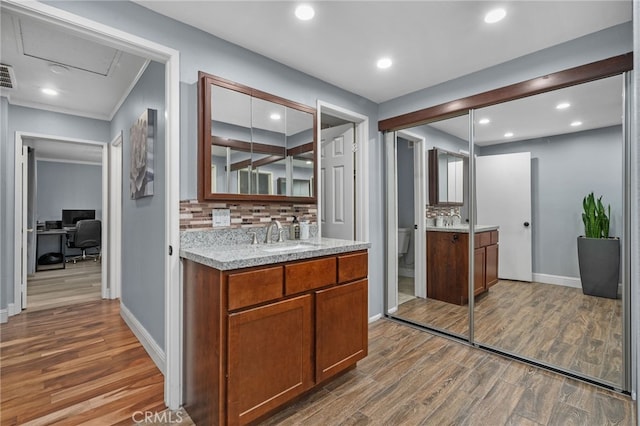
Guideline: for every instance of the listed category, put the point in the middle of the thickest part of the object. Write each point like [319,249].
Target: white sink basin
[280,249]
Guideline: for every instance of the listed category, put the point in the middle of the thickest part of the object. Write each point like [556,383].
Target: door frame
[171,58]
[419,201]
[115,217]
[361,165]
[19,302]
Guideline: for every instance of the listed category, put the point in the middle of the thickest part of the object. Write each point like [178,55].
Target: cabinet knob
[526,224]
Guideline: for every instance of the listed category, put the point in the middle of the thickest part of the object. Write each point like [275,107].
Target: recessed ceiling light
[563,105]
[49,91]
[576,123]
[275,116]
[384,63]
[508,135]
[484,121]
[304,12]
[495,15]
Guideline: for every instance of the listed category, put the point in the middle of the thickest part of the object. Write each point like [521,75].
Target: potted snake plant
[598,254]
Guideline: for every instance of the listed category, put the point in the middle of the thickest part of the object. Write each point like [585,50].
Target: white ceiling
[430,42]
[596,104]
[92,79]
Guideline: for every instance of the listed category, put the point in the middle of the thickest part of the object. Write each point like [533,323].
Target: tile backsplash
[435,211]
[196,215]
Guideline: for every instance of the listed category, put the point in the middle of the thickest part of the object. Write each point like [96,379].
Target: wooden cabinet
[448,265]
[269,357]
[256,338]
[341,328]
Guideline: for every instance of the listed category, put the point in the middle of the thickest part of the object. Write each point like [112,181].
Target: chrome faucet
[269,238]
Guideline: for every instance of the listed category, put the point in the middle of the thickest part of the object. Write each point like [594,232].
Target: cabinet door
[269,357]
[341,328]
[447,271]
[479,271]
[492,265]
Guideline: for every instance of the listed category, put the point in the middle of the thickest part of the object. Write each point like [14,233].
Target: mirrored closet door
[537,158]
[429,198]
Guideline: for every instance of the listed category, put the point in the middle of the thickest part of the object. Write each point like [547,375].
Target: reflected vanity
[254,145]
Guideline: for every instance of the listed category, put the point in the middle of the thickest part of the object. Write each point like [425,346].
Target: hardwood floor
[73,365]
[558,325]
[77,283]
[415,378]
[82,365]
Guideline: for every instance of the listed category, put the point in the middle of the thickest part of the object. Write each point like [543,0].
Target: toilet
[404,236]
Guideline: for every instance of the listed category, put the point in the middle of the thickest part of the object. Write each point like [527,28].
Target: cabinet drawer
[254,287]
[304,276]
[494,237]
[352,267]
[482,239]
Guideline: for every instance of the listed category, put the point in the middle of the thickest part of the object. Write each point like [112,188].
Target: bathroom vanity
[264,324]
[448,264]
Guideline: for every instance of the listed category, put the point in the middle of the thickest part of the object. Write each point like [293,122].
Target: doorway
[47,170]
[351,129]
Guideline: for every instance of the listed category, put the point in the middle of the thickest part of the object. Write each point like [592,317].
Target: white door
[24,223]
[337,182]
[503,193]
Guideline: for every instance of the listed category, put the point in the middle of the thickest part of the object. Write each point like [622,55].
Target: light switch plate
[221,217]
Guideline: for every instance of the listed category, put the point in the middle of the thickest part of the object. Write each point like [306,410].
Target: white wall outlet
[221,217]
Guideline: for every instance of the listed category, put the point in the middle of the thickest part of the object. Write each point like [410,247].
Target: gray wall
[564,169]
[41,122]
[67,186]
[143,243]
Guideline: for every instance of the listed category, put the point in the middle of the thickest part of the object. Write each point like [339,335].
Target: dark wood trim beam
[558,80]
[240,165]
[300,149]
[231,143]
[260,148]
[267,160]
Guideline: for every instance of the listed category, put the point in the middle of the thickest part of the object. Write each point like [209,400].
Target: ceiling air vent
[7,77]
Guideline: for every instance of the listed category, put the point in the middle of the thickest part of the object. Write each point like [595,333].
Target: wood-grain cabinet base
[448,265]
[254,339]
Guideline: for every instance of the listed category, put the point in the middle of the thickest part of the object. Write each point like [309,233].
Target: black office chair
[87,235]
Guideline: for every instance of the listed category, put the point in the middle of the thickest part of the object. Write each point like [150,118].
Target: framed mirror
[254,145]
[446,178]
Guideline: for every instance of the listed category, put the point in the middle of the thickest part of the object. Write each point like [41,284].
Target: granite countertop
[236,256]
[464,228]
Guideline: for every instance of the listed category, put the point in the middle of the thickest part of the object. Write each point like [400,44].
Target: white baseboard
[393,310]
[557,280]
[406,272]
[11,308]
[375,318]
[150,345]
[564,281]
[4,316]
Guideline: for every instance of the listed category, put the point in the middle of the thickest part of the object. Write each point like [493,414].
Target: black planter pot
[599,262]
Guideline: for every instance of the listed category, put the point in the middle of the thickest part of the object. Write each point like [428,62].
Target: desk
[62,235]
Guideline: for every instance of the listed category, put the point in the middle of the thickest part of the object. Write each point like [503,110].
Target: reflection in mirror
[260,144]
[537,158]
[446,178]
[300,153]
[439,298]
